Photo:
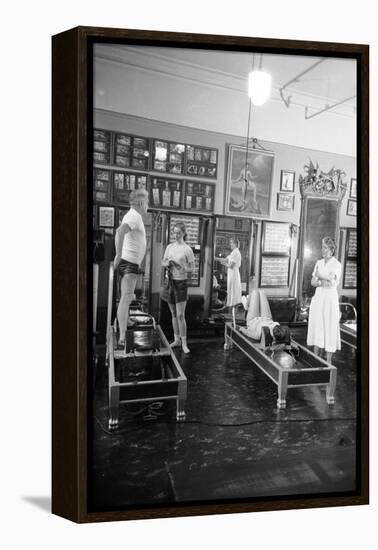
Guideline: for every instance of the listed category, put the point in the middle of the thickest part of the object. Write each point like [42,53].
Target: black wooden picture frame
[72,270]
[285,201]
[287,180]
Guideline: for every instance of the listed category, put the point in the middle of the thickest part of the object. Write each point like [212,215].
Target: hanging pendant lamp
[259,85]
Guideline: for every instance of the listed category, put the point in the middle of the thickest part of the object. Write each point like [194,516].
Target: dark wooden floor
[235,442]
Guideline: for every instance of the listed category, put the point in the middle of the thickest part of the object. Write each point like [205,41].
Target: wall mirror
[320,218]
[224,229]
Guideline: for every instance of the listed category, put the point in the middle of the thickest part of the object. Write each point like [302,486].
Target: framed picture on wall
[106,216]
[285,202]
[199,196]
[101,146]
[126,182]
[248,182]
[352,208]
[201,161]
[353,188]
[287,180]
[110,461]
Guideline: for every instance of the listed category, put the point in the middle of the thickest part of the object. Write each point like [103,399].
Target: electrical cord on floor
[224,425]
[266,421]
[152,409]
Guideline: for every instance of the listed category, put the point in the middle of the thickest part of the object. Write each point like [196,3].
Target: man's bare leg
[128,284]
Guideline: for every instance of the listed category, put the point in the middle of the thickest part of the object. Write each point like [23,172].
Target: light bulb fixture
[307,252]
[259,86]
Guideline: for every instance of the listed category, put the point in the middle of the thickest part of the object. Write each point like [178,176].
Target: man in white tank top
[130,244]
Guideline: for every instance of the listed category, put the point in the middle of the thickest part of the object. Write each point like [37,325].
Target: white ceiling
[330,82]
[219,78]
[333,80]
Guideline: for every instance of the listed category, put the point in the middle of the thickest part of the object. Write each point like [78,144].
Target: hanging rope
[248,126]
[247,144]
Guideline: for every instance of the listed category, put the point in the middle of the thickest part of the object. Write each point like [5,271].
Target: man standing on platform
[130,245]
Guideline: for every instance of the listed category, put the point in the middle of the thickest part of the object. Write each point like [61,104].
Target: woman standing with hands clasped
[324,317]
[179,259]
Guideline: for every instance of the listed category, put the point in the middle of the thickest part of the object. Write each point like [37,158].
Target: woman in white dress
[233,262]
[324,317]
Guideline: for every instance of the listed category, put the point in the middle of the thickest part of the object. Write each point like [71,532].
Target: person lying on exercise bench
[260,316]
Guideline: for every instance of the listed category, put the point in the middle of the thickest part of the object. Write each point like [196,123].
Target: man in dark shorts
[130,244]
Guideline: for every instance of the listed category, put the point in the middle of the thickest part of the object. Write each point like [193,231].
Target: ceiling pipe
[287,99]
[326,108]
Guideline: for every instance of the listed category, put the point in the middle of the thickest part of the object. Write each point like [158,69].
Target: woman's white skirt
[233,287]
[324,320]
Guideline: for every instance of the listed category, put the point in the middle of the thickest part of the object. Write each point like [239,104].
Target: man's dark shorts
[126,267]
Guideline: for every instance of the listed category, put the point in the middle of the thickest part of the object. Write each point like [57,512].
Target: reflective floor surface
[234,444]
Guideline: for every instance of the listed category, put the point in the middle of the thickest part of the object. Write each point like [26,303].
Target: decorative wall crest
[317,182]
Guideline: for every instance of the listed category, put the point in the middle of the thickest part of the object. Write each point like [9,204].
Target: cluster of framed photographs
[101,146]
[178,158]
[174,194]
[199,196]
[168,156]
[201,161]
[286,197]
[131,151]
[166,193]
[142,153]
[114,186]
[352,201]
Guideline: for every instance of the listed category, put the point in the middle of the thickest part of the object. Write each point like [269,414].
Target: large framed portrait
[249,182]
[153,417]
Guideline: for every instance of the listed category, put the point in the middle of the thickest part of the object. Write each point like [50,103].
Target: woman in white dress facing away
[324,317]
[233,263]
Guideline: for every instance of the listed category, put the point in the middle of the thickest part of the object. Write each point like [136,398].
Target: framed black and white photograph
[106,216]
[285,202]
[352,208]
[166,193]
[287,180]
[201,161]
[201,365]
[199,196]
[353,189]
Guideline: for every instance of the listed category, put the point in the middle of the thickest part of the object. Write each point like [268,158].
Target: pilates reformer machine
[287,363]
[145,370]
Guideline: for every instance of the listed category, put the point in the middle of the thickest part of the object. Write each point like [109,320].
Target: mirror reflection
[321,219]
[230,234]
